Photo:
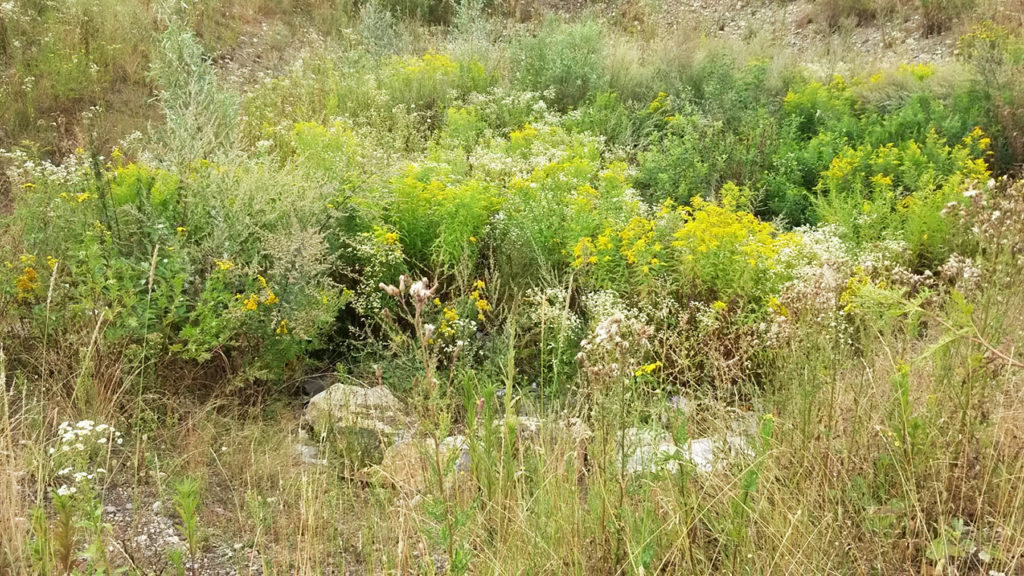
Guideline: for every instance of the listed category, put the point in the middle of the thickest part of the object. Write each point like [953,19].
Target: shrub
[377,28]
[564,58]
[505,110]
[60,59]
[834,13]
[174,264]
[570,195]
[200,117]
[316,90]
[428,11]
[997,57]
[630,126]
[698,155]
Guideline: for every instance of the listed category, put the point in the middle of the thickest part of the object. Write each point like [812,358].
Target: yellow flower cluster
[449,316]
[717,244]
[920,71]
[842,165]
[977,140]
[479,302]
[27,284]
[735,235]
[658,103]
[647,369]
[385,236]
[584,252]
[855,286]
[984,37]
[522,138]
[253,301]
[890,167]
[431,63]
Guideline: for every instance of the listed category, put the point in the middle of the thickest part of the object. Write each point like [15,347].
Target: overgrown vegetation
[512,219]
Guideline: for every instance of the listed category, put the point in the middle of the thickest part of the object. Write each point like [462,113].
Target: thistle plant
[412,303]
[610,357]
[440,506]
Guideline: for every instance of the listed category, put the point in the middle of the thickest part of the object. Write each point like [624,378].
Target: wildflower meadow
[511,287]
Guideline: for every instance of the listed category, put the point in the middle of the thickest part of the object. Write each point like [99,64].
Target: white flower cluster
[994,215]
[377,260]
[615,346]
[78,447]
[73,171]
[77,437]
[604,304]
[550,307]
[496,161]
[820,265]
[961,272]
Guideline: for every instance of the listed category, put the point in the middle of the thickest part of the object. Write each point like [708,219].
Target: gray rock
[353,406]
[313,385]
[308,454]
[559,442]
[363,422]
[647,450]
[701,453]
[411,465]
[652,450]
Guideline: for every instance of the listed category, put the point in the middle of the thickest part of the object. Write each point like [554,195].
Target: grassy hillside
[635,287]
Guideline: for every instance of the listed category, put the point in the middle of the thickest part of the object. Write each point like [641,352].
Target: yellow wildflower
[658,103]
[647,368]
[881,180]
[252,302]
[451,314]
[27,283]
